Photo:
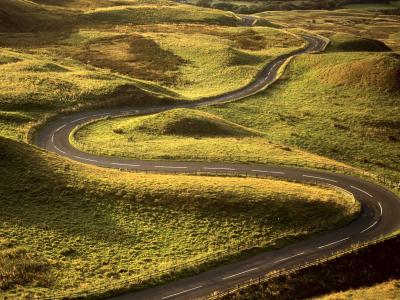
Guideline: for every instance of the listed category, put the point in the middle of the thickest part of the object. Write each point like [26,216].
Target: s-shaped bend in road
[380,207]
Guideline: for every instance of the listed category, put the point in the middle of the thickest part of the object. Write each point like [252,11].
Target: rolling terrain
[68,228]
[54,137]
[338,116]
[132,100]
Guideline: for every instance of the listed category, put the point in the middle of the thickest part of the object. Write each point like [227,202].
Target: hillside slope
[184,122]
[344,42]
[25,16]
[67,227]
[340,105]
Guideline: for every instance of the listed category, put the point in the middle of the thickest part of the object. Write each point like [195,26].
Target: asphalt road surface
[380,208]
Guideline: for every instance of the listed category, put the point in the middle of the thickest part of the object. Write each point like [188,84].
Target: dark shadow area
[365,267]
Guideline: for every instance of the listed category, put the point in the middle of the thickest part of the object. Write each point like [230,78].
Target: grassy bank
[186,134]
[35,87]
[386,290]
[364,24]
[339,105]
[105,55]
[70,227]
[192,60]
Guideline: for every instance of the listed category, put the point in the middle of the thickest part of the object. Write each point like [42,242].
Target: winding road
[380,207]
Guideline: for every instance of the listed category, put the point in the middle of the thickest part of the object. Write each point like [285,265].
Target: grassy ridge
[341,105]
[185,134]
[158,13]
[182,122]
[192,60]
[83,227]
[363,24]
[342,42]
[25,16]
[34,87]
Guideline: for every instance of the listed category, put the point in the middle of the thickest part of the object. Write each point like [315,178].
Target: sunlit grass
[386,290]
[187,135]
[93,226]
[167,12]
[193,60]
[361,23]
[343,106]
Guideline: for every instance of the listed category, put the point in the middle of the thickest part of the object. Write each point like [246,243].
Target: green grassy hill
[35,87]
[183,122]
[69,227]
[374,72]
[158,13]
[24,16]
[184,134]
[349,43]
[344,106]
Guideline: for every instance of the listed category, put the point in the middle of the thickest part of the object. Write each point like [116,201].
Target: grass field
[35,87]
[191,60]
[185,134]
[69,68]
[69,227]
[339,105]
[360,23]
[339,92]
[374,6]
[158,13]
[345,42]
[386,290]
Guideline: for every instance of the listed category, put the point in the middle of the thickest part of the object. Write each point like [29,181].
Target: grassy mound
[34,87]
[194,60]
[378,72]
[184,122]
[343,42]
[157,14]
[344,106]
[96,226]
[23,16]
[185,134]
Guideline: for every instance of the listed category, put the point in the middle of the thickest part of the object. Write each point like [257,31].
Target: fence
[283,272]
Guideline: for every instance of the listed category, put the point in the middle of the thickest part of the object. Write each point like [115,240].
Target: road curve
[380,207]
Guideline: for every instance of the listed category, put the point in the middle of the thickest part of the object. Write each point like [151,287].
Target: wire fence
[284,272]
[200,264]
